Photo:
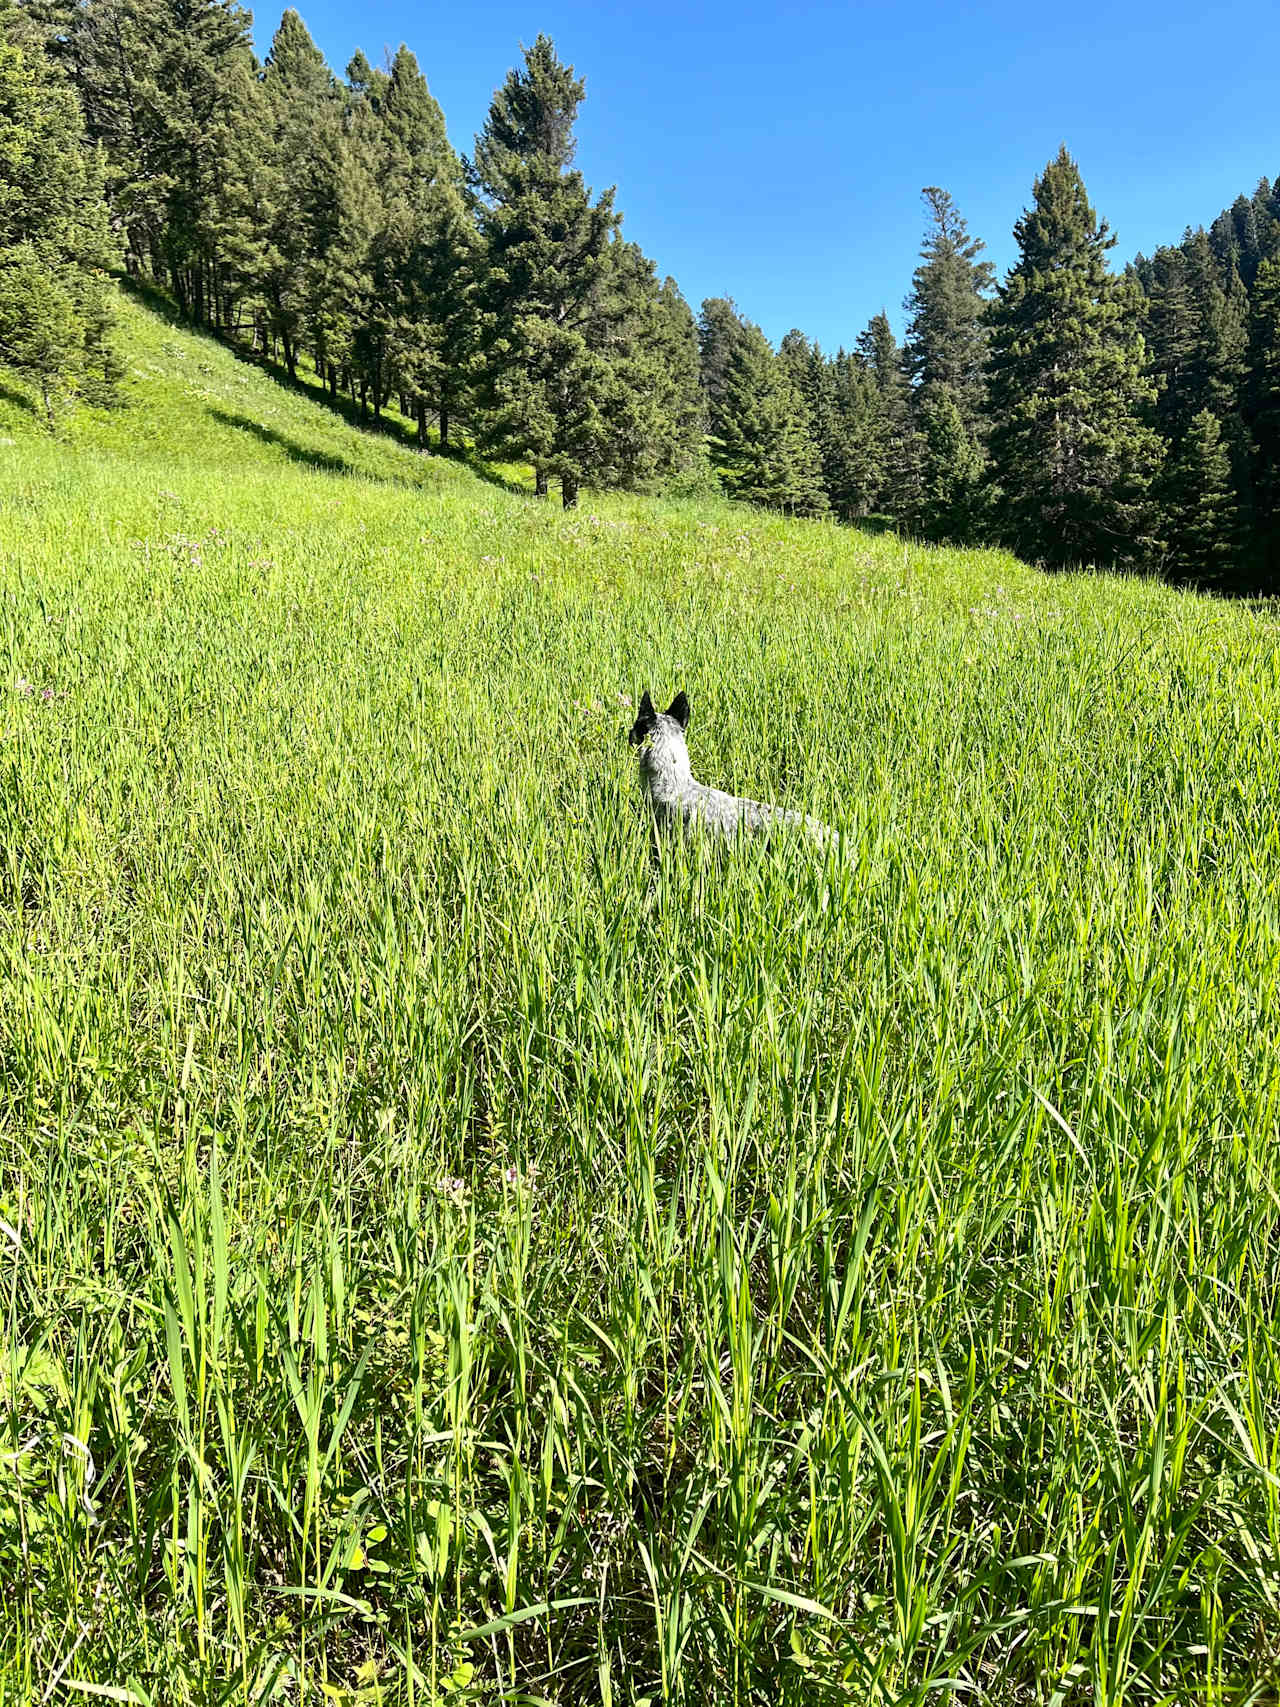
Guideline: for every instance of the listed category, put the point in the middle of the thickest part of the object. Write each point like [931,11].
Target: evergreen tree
[168,89]
[952,466]
[764,430]
[1198,504]
[1170,329]
[945,355]
[851,438]
[301,100]
[1220,317]
[720,330]
[545,312]
[899,492]
[652,403]
[55,322]
[947,338]
[1263,412]
[418,260]
[1073,458]
[339,210]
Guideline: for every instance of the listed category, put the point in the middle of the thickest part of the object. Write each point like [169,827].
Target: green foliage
[169,91]
[1199,508]
[851,437]
[899,443]
[545,308]
[952,468]
[763,424]
[301,98]
[946,345]
[1072,456]
[55,320]
[331,227]
[1263,405]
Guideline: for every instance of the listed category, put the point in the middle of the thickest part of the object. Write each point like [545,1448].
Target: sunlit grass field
[451,1253]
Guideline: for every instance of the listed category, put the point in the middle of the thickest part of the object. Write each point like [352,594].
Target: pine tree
[945,355]
[1262,395]
[721,332]
[338,210]
[1072,456]
[168,89]
[419,255]
[899,492]
[1198,504]
[952,466]
[1215,367]
[544,310]
[301,97]
[851,438]
[946,342]
[55,322]
[651,401]
[764,431]
[1170,331]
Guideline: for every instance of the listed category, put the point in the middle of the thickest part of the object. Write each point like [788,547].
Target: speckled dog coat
[676,796]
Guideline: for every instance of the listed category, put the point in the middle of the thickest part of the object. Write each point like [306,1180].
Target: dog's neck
[665,763]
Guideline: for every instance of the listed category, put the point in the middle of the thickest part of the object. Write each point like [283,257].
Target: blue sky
[776,153]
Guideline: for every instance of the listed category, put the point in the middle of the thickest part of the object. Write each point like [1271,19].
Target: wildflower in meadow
[512,1176]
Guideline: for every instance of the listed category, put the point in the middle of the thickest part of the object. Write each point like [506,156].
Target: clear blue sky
[776,153]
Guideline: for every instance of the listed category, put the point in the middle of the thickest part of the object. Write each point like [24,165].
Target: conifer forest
[1077,412]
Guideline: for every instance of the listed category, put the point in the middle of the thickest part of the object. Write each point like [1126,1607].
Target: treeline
[1076,415]
[1073,413]
[328,221]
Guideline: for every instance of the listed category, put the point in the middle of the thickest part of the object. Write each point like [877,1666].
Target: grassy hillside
[446,1256]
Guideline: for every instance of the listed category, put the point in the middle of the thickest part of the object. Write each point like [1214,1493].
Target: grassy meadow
[450,1255]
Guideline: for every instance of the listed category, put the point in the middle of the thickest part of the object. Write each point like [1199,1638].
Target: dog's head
[650,721]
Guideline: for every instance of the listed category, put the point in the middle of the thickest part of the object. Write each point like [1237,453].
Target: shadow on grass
[21,400]
[402,433]
[305,454]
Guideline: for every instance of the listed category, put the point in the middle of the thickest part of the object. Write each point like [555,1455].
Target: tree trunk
[568,492]
[422,423]
[364,400]
[444,429]
[539,482]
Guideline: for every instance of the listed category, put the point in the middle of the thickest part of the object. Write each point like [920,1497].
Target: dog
[676,797]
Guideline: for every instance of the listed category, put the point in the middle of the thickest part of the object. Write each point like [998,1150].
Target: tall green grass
[447,1255]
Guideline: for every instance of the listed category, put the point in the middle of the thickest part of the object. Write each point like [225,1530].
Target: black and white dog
[676,796]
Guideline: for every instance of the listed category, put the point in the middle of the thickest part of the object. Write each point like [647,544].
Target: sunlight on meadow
[445,1256]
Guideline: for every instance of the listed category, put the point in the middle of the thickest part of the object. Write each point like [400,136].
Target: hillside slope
[451,1249]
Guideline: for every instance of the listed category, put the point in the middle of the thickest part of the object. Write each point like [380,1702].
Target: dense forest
[1072,412]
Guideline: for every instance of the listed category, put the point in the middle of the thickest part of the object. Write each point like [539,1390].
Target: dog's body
[677,797]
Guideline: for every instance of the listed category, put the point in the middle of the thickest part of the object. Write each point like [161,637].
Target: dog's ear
[679,709]
[646,717]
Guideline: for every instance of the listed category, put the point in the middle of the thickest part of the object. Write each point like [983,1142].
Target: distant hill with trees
[1074,412]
